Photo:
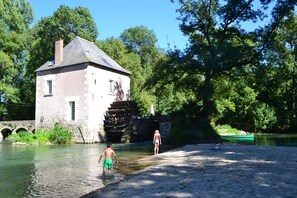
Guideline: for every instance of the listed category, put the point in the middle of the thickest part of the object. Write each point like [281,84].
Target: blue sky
[112,17]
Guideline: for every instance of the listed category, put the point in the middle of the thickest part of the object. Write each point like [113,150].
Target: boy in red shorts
[108,153]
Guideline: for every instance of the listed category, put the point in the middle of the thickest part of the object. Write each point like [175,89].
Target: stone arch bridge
[11,127]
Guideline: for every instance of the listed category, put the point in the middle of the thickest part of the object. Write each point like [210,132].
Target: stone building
[77,87]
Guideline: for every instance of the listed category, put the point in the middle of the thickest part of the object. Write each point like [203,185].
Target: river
[61,170]
[73,170]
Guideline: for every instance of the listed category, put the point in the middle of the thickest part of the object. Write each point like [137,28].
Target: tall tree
[278,74]
[219,43]
[15,18]
[143,42]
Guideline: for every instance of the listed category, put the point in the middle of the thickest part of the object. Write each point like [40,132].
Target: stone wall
[10,127]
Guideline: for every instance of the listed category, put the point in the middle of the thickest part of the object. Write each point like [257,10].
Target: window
[111,86]
[72,110]
[50,87]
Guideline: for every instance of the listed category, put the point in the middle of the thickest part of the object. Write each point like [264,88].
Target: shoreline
[203,171]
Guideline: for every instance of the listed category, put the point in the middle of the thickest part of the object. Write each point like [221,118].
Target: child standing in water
[157,141]
[108,153]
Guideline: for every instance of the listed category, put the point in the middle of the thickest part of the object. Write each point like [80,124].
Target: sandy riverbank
[200,171]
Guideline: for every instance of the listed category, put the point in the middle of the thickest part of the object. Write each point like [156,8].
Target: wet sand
[202,171]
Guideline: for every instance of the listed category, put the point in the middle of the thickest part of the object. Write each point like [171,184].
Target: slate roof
[80,51]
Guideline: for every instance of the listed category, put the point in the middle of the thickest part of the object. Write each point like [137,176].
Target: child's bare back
[108,153]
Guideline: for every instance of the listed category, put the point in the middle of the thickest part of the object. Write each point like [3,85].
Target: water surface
[60,170]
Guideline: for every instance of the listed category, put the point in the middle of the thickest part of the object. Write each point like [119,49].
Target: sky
[112,17]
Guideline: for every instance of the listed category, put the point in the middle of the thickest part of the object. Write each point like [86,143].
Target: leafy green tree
[278,74]
[143,42]
[219,43]
[237,103]
[172,87]
[287,36]
[15,18]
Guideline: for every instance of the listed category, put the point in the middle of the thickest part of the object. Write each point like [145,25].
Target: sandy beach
[201,171]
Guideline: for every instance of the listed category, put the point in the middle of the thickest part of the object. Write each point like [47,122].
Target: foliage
[226,129]
[217,42]
[15,18]
[142,42]
[60,135]
[22,136]
[220,47]
[30,138]
[278,76]
[264,117]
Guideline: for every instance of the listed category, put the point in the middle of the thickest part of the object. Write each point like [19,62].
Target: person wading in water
[108,153]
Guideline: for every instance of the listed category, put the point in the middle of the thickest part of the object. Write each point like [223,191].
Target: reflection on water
[264,139]
[60,170]
[276,139]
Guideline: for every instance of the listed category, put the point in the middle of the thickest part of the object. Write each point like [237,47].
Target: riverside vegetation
[61,135]
[58,135]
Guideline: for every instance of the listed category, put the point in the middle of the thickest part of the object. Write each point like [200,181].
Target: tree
[15,18]
[143,42]
[173,95]
[278,74]
[238,103]
[218,42]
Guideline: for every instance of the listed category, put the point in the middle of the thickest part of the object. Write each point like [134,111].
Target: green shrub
[42,136]
[60,135]
[22,136]
[27,137]
[226,129]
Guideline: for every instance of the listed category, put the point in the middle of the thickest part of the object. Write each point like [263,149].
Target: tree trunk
[293,107]
[207,109]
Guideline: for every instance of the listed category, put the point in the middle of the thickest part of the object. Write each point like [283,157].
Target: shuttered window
[111,86]
[72,110]
[50,87]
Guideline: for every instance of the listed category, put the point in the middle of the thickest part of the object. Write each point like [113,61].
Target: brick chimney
[58,51]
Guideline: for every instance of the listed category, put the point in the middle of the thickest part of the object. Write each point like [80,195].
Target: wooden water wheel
[118,117]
